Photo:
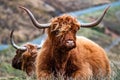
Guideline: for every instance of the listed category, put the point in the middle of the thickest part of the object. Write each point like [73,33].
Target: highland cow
[25,56]
[66,54]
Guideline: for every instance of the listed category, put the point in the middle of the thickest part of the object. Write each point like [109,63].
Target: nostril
[70,43]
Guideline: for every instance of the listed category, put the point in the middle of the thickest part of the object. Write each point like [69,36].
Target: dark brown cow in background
[68,55]
[25,56]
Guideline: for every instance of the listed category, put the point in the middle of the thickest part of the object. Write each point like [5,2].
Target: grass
[7,72]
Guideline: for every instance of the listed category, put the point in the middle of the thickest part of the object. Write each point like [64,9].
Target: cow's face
[17,60]
[63,32]
[25,60]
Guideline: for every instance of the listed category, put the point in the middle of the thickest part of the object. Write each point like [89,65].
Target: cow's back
[93,54]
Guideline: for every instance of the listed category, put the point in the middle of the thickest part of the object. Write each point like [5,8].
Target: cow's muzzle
[70,44]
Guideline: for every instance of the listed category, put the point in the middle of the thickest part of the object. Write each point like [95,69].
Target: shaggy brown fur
[68,55]
[25,60]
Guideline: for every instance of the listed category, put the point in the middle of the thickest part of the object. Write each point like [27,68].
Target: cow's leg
[84,73]
[43,75]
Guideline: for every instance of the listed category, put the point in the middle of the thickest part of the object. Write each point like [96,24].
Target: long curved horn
[13,43]
[34,21]
[92,24]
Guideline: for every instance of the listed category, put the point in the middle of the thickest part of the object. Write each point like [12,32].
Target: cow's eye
[55,32]
[74,31]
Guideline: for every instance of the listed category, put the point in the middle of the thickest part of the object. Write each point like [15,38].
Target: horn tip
[22,7]
[107,7]
[11,33]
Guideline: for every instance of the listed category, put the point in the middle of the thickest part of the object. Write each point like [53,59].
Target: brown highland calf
[66,54]
[25,56]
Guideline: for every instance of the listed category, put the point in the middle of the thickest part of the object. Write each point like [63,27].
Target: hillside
[12,17]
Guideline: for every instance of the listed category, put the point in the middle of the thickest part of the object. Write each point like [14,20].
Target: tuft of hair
[64,23]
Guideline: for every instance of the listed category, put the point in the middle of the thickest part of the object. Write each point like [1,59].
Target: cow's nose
[70,43]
